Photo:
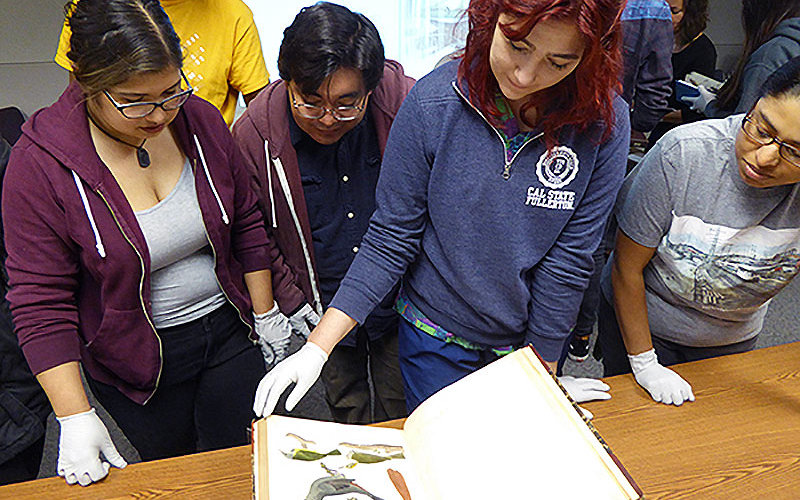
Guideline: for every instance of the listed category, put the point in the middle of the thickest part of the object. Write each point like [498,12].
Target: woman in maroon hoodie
[135,248]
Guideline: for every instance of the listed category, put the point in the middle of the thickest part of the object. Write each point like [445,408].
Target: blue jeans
[428,364]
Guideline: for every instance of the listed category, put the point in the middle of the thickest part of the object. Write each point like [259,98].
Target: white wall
[29,30]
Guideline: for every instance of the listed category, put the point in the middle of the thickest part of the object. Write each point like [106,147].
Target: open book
[506,431]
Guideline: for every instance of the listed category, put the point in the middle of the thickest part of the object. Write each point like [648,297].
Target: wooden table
[740,439]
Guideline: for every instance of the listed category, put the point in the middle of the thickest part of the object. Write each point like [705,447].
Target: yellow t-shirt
[221,49]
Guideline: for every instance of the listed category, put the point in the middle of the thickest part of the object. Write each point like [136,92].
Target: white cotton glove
[302,368]
[663,384]
[700,103]
[304,320]
[582,390]
[83,437]
[274,334]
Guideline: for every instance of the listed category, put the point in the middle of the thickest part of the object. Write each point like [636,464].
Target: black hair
[324,38]
[694,21]
[759,19]
[113,40]
[784,82]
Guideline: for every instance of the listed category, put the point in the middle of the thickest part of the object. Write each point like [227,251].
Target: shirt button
[345,178]
[355,249]
[350,215]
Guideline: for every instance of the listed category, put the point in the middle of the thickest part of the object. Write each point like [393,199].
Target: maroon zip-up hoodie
[78,263]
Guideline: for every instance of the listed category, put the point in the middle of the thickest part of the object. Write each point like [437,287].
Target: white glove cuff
[272,312]
[75,415]
[316,350]
[642,361]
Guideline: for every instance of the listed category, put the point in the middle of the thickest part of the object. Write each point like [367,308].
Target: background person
[647,71]
[315,139]
[135,249]
[646,42]
[693,52]
[771,38]
[709,232]
[500,170]
[221,48]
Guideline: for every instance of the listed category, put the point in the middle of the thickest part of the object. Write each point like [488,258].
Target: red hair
[582,98]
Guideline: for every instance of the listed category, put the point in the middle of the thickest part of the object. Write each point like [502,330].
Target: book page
[291,478]
[508,431]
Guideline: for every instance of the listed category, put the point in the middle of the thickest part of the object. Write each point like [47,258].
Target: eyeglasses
[757,134]
[340,113]
[142,109]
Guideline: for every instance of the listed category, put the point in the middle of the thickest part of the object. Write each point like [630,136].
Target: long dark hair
[113,40]
[580,99]
[695,20]
[759,18]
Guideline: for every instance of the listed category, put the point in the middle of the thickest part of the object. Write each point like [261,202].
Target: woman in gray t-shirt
[709,232]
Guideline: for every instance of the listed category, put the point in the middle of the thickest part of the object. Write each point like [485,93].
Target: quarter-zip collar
[463,93]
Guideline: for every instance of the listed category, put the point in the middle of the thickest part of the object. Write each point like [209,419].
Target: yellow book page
[508,431]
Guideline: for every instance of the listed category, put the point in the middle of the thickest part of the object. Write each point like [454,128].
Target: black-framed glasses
[759,135]
[340,113]
[142,109]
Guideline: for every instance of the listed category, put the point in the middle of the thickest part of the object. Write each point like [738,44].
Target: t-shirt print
[719,268]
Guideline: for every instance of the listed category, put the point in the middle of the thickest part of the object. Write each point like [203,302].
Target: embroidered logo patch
[557,167]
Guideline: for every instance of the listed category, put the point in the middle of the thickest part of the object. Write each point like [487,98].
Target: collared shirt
[339,186]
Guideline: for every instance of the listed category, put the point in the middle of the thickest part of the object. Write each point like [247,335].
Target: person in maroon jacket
[137,250]
[315,139]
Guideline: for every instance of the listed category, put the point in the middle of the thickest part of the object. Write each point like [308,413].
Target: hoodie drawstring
[211,182]
[98,243]
[271,192]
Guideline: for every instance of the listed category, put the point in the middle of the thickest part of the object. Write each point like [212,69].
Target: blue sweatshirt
[499,254]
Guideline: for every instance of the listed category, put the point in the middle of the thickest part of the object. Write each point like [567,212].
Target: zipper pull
[507,171]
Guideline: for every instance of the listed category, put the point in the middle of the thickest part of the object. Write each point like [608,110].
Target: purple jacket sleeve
[42,266]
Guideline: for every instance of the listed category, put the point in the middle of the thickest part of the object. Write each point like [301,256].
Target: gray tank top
[182,280]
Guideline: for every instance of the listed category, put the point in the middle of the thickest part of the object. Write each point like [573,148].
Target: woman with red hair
[500,170]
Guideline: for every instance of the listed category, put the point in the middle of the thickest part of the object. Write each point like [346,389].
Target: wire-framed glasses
[756,133]
[340,113]
[142,109]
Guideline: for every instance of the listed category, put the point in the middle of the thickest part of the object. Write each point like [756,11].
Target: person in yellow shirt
[221,48]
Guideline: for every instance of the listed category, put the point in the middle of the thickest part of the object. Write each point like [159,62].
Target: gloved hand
[274,334]
[700,103]
[304,320]
[582,390]
[663,384]
[83,437]
[302,368]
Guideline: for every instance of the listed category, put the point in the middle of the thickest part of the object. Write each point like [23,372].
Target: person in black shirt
[692,51]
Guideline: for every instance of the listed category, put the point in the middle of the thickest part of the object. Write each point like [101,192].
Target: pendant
[143,156]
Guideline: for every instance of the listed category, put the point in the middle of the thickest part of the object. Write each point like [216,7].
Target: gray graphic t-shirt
[723,248]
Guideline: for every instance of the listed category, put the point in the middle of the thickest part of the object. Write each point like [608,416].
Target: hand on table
[83,437]
[663,384]
[302,368]
[582,390]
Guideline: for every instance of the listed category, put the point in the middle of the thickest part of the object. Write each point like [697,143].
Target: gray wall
[29,32]
[725,30]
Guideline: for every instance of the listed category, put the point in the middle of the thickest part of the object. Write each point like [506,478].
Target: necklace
[142,156]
